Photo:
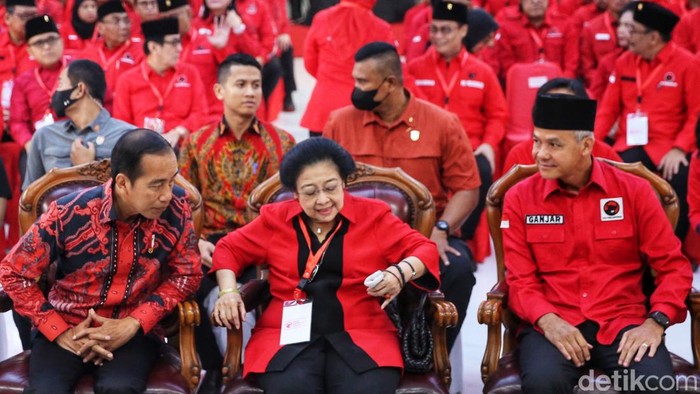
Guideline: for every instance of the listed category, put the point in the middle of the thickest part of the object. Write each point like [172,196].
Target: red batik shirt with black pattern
[226,169]
[140,269]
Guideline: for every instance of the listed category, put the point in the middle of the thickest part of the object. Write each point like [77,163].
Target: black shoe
[288,105]
[211,383]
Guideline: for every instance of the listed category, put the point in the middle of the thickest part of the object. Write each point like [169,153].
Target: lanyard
[13,59]
[185,56]
[314,260]
[106,63]
[608,25]
[447,89]
[538,42]
[641,85]
[43,85]
[154,89]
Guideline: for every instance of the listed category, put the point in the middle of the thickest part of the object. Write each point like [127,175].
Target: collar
[349,210]
[369,117]
[108,210]
[664,55]
[223,127]
[97,124]
[151,72]
[440,60]
[597,178]
[547,23]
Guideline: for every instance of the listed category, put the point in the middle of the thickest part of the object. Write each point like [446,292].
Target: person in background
[31,95]
[144,11]
[334,37]
[88,133]
[694,185]
[162,94]
[687,33]
[599,38]
[80,33]
[278,9]
[225,161]
[601,76]
[5,195]
[352,346]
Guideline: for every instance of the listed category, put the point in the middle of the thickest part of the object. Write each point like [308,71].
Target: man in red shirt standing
[534,31]
[33,89]
[578,237]
[162,94]
[389,127]
[116,52]
[653,93]
[450,77]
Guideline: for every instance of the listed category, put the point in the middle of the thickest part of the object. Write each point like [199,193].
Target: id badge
[45,121]
[6,93]
[637,129]
[296,322]
[155,124]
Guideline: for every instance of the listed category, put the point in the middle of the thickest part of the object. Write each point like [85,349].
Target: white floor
[473,335]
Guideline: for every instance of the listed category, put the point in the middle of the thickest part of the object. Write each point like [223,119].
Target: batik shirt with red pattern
[140,269]
[226,169]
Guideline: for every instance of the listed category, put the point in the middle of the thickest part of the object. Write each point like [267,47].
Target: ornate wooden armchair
[172,373]
[410,201]
[499,368]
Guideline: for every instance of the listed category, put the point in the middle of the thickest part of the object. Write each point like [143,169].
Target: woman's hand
[229,311]
[388,288]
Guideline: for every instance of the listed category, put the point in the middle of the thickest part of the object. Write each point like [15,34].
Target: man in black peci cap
[578,237]
[653,97]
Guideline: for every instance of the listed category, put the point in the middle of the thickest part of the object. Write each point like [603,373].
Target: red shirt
[259,26]
[73,44]
[417,33]
[115,61]
[31,101]
[181,91]
[371,239]
[563,258]
[413,19]
[670,99]
[694,192]
[91,246]
[441,157]
[475,96]
[687,32]
[520,42]
[225,170]
[278,12]
[522,153]
[14,59]
[335,35]
[598,38]
[601,76]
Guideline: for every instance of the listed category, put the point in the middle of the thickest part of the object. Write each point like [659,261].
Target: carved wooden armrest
[693,303]
[491,313]
[444,315]
[253,293]
[5,302]
[191,366]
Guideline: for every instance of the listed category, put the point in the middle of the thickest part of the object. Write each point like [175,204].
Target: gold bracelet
[227,291]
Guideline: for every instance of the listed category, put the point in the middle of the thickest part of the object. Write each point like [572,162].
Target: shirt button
[584,295]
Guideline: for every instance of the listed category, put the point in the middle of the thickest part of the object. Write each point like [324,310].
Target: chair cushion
[506,379]
[165,378]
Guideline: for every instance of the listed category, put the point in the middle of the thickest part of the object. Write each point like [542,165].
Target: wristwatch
[661,319]
[443,226]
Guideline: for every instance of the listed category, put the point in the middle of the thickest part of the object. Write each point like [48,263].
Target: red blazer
[374,240]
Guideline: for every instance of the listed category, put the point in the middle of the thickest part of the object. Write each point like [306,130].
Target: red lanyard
[608,25]
[161,98]
[43,85]
[447,89]
[314,259]
[641,85]
[13,59]
[538,42]
[186,51]
[106,63]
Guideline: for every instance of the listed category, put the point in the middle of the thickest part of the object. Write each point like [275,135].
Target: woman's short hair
[312,151]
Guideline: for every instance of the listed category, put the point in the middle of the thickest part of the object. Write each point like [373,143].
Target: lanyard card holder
[296,321]
[637,128]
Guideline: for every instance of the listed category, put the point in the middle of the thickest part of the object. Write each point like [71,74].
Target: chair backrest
[407,198]
[522,82]
[60,182]
[494,199]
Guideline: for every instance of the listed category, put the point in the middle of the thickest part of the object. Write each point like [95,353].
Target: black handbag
[415,337]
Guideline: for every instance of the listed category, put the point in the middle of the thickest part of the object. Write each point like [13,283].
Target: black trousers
[271,74]
[469,226]
[457,281]
[54,370]
[679,182]
[287,63]
[544,369]
[318,369]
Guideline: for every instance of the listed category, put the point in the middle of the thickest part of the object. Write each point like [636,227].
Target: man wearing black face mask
[388,127]
[89,132]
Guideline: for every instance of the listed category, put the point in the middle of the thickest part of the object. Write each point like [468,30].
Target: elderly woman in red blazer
[321,247]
